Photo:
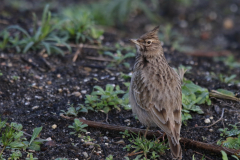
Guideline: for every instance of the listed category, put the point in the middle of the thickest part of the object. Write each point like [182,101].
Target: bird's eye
[148,42]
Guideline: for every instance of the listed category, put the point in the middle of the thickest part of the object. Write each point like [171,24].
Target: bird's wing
[159,94]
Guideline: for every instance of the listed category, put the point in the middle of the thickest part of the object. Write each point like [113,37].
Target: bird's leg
[145,134]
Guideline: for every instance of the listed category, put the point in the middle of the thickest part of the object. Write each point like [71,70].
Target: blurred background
[186,25]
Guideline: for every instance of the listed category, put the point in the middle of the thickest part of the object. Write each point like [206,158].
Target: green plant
[4,36]
[224,156]
[72,111]
[230,61]
[226,79]
[230,142]
[12,137]
[117,12]
[150,148]
[78,126]
[192,95]
[16,154]
[30,155]
[41,37]
[233,132]
[118,58]
[125,134]
[105,100]
[171,37]
[109,157]
[79,25]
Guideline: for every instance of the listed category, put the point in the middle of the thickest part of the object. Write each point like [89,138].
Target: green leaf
[224,155]
[106,109]
[28,46]
[36,132]
[16,144]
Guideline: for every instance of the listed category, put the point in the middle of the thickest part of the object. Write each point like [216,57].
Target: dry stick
[213,123]
[112,127]
[202,155]
[79,50]
[185,141]
[133,153]
[98,58]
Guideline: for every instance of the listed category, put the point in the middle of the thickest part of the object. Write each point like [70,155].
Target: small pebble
[105,137]
[106,144]
[210,130]
[211,117]
[217,109]
[83,91]
[54,126]
[49,82]
[60,90]
[58,75]
[120,142]
[85,154]
[35,107]
[207,120]
[127,120]
[77,94]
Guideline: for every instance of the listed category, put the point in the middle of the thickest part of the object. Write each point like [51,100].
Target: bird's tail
[175,148]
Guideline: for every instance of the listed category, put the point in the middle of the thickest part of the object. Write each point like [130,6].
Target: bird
[155,90]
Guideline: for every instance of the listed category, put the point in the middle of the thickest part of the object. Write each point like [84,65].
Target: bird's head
[148,44]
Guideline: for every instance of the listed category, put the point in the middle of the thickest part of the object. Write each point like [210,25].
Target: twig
[213,123]
[217,94]
[98,58]
[86,46]
[202,155]
[79,50]
[32,64]
[47,63]
[114,127]
[133,153]
[185,141]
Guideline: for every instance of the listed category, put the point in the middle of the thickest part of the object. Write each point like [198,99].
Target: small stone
[83,91]
[228,23]
[106,144]
[60,90]
[207,120]
[120,142]
[40,87]
[77,94]
[85,154]
[211,117]
[99,152]
[128,124]
[58,75]
[54,126]
[210,130]
[105,137]
[49,139]
[88,133]
[127,120]
[35,107]
[27,103]
[38,97]
[49,82]
[112,78]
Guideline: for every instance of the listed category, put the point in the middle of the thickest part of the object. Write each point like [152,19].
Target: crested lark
[155,91]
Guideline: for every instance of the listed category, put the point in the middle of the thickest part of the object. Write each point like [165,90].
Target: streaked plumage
[155,91]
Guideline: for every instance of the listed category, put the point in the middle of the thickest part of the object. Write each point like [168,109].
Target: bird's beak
[135,41]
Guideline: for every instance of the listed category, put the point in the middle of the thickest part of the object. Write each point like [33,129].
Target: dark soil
[37,97]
